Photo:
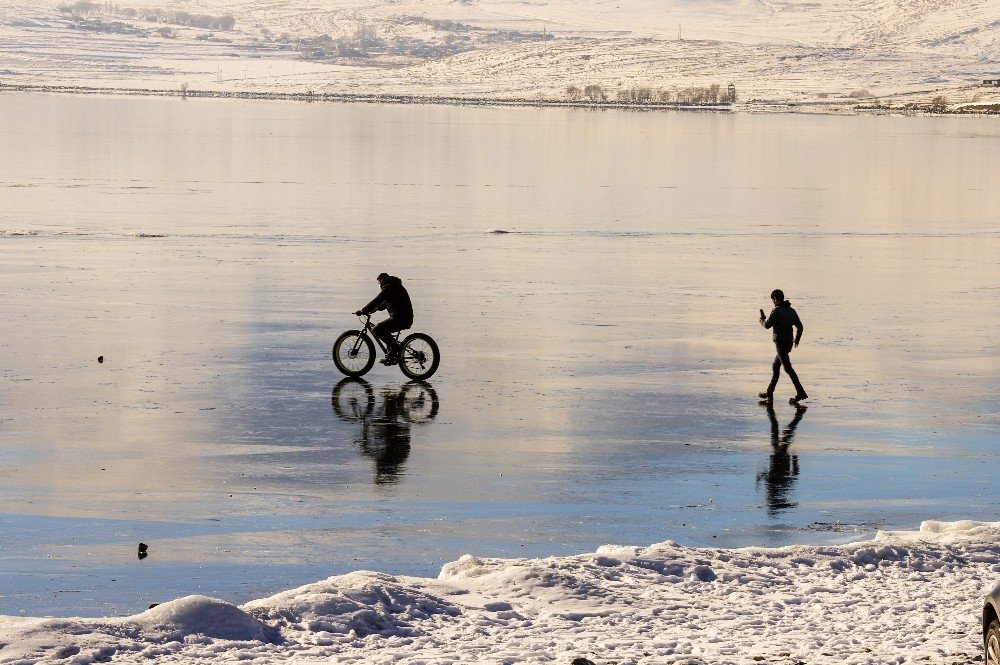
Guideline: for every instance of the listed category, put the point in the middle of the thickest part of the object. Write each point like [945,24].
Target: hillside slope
[825,52]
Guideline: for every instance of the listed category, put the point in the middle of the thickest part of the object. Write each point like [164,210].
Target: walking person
[781,320]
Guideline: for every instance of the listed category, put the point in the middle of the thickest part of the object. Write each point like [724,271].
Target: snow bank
[900,597]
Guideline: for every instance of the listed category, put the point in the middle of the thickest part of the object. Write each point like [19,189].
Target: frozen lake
[601,360]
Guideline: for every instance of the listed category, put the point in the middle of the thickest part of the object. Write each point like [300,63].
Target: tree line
[153,15]
[711,94]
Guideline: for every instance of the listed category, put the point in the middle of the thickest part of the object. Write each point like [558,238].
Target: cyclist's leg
[384,330]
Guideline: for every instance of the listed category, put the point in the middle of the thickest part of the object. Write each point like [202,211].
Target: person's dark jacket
[782,319]
[394,298]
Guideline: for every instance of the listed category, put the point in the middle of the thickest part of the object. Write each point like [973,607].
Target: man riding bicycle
[393,298]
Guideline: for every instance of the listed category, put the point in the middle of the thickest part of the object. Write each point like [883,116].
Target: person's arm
[377,303]
[769,321]
[797,324]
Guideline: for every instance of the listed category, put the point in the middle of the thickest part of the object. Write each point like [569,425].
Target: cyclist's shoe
[798,398]
[389,360]
[766,397]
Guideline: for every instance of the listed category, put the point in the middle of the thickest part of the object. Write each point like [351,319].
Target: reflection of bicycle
[385,429]
[353,400]
[354,353]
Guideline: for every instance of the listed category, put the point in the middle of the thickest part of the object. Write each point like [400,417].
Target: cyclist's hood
[390,280]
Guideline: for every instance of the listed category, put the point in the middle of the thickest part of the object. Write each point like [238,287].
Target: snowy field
[902,597]
[831,56]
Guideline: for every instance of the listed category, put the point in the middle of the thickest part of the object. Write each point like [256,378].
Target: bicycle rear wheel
[419,402]
[419,356]
[354,353]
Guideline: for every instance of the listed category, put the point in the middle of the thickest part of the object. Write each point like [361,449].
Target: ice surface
[901,597]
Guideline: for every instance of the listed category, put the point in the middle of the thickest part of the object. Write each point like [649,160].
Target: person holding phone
[781,321]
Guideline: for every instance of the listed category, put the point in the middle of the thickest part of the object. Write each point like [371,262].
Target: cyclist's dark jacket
[783,318]
[394,298]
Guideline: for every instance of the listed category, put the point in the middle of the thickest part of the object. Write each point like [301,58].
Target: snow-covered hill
[814,53]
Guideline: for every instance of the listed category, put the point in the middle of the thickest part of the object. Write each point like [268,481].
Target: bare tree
[574,93]
[595,93]
[184,90]
[939,104]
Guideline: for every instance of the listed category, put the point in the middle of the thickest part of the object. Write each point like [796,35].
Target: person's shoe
[798,398]
[389,360]
[766,397]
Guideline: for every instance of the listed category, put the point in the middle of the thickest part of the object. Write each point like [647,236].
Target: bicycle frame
[368,331]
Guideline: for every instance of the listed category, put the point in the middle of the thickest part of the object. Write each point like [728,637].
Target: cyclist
[393,298]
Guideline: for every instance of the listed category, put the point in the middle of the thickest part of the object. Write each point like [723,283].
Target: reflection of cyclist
[393,298]
[386,438]
[386,430]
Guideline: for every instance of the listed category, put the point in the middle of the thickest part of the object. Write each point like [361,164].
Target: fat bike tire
[353,399]
[419,357]
[419,401]
[354,353]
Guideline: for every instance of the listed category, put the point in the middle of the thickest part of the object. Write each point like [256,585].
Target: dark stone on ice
[143,553]
[582,661]
[100,359]
[152,605]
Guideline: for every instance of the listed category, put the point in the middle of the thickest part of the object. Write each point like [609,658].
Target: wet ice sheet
[600,360]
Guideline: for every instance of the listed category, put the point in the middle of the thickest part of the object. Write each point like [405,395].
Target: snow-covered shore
[900,597]
[848,56]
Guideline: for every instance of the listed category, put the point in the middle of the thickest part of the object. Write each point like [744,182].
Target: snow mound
[361,603]
[201,615]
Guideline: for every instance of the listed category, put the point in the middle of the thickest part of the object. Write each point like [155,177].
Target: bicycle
[354,352]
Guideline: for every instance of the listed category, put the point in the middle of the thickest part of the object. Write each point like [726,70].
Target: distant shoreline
[360,98]
[857,109]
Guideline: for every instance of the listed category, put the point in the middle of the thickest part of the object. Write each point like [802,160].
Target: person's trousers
[384,330]
[782,360]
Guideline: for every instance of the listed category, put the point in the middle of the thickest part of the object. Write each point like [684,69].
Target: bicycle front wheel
[419,356]
[354,353]
[353,399]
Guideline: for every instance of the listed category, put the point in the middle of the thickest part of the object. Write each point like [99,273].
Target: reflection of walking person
[781,320]
[784,466]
